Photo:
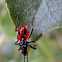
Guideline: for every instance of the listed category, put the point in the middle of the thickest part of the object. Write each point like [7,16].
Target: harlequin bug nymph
[22,39]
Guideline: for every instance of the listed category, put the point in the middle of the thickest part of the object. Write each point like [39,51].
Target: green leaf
[48,14]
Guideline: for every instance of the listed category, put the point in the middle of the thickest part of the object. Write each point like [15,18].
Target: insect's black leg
[35,40]
[31,41]
[24,58]
[32,47]
[16,43]
[32,27]
[27,57]
[19,48]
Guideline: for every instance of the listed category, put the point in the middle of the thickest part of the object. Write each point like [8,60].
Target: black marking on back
[25,31]
[19,32]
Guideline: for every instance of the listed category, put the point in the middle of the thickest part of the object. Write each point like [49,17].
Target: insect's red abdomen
[22,32]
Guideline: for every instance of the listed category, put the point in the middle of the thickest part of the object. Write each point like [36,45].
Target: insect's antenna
[16,15]
[16,22]
[32,27]
[27,57]
[24,58]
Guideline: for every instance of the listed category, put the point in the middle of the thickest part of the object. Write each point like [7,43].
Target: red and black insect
[22,38]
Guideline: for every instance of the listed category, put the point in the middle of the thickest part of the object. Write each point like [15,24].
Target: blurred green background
[49,48]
